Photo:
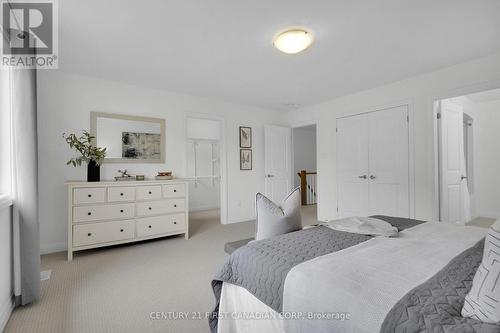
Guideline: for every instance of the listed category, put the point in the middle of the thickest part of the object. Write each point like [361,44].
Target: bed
[323,280]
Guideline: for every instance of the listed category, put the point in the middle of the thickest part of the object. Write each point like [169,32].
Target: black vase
[93,172]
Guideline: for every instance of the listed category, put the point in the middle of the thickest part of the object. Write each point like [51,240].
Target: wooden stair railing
[303,185]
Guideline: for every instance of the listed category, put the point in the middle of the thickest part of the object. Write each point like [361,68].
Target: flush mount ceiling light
[293,40]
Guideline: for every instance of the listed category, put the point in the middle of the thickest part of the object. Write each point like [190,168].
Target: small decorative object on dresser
[164,175]
[110,213]
[88,153]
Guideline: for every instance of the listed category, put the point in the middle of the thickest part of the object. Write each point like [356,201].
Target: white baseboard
[240,220]
[202,208]
[489,215]
[52,248]
[5,311]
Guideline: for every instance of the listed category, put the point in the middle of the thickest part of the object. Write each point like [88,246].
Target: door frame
[292,156]
[223,158]
[411,147]
[433,107]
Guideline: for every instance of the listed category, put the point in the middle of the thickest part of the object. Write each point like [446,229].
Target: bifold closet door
[352,166]
[388,160]
[372,164]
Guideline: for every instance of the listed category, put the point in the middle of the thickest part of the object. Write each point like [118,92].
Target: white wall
[419,92]
[487,158]
[64,105]
[6,269]
[304,151]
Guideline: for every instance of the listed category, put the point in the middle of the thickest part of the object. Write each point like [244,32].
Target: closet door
[388,160]
[352,166]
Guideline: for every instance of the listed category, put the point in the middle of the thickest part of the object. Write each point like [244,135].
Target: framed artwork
[141,145]
[245,159]
[245,137]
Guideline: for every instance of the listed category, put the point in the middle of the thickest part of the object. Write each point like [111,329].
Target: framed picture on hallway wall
[245,159]
[245,137]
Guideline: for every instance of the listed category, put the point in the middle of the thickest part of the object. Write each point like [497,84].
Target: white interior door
[278,162]
[352,166]
[389,165]
[452,171]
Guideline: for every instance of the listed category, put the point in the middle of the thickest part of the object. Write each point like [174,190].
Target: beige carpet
[116,289]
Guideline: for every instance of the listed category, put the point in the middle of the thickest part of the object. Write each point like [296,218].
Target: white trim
[202,208]
[490,215]
[243,219]
[5,312]
[5,201]
[53,248]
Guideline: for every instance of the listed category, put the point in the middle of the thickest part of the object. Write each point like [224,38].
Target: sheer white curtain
[25,180]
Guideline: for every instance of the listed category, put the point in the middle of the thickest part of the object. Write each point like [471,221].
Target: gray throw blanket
[261,267]
[435,306]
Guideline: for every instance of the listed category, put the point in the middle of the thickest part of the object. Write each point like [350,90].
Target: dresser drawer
[103,212]
[148,192]
[94,233]
[117,194]
[149,226]
[174,190]
[89,195]
[161,207]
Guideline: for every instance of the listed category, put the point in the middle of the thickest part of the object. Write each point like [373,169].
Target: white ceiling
[485,96]
[222,48]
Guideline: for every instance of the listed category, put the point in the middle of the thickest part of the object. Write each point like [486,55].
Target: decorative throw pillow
[483,301]
[274,220]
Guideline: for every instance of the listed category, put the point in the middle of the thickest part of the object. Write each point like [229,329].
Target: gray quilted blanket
[261,267]
[435,305]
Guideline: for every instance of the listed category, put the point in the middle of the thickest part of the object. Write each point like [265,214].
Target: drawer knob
[149,226]
[175,190]
[149,192]
[121,230]
[175,222]
[121,210]
[121,194]
[175,205]
[90,195]
[89,234]
[149,208]
[89,213]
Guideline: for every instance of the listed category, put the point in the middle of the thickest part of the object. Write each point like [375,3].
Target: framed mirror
[129,139]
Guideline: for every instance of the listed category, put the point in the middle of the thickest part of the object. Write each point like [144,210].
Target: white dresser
[109,213]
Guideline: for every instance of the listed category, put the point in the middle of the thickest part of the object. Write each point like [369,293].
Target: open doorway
[468,158]
[305,170]
[205,159]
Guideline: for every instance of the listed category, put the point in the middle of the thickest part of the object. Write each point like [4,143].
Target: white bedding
[236,301]
[368,279]
[364,226]
[364,281]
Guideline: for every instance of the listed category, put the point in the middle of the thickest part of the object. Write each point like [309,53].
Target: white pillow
[274,220]
[483,301]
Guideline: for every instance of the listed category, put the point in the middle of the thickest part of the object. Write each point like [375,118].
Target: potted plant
[89,153]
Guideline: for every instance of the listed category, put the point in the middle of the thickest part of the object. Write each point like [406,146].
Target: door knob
[372,177]
[463,177]
[363,177]
[269,176]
